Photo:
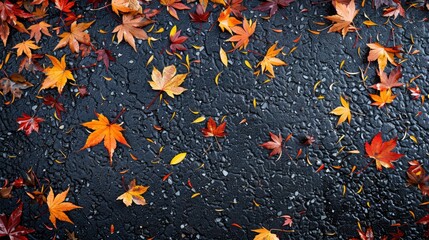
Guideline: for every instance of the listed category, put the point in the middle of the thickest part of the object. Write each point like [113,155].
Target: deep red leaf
[28,124]
[273,6]
[212,130]
[10,226]
[106,56]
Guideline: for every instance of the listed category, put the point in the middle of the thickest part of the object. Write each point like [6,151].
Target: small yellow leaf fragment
[150,140]
[414,139]
[360,189]
[173,31]
[196,47]
[341,138]
[161,30]
[316,85]
[292,50]
[344,190]
[178,158]
[353,152]
[102,31]
[223,118]
[254,103]
[412,214]
[277,30]
[195,195]
[321,97]
[149,60]
[267,81]
[368,204]
[217,78]
[223,57]
[107,78]
[133,157]
[199,119]
[369,23]
[424,203]
[342,64]
[313,32]
[247,63]
[256,204]
[172,116]
[194,112]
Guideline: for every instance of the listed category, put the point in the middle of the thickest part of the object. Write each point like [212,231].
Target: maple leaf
[57,207]
[200,15]
[105,56]
[344,111]
[394,10]
[287,220]
[75,36]
[82,91]
[126,6]
[25,47]
[57,75]
[172,5]
[368,235]
[168,81]
[273,6]
[343,20]
[9,13]
[49,100]
[264,234]
[176,40]
[226,22]
[275,145]
[37,29]
[133,194]
[31,64]
[424,220]
[381,151]
[28,123]
[104,129]
[130,29]
[211,130]
[14,84]
[242,34]
[270,60]
[10,227]
[64,5]
[382,99]
[382,54]
[236,7]
[415,92]
[389,82]
[416,175]
[378,3]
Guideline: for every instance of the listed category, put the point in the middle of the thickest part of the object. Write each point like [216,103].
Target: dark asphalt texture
[233,179]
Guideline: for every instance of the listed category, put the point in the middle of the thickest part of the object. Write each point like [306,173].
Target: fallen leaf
[242,34]
[176,41]
[178,158]
[173,5]
[271,60]
[287,220]
[57,75]
[130,29]
[10,227]
[28,123]
[273,6]
[343,21]
[168,81]
[104,129]
[126,6]
[381,151]
[382,99]
[211,130]
[105,56]
[389,82]
[226,22]
[133,194]
[275,145]
[223,57]
[25,47]
[37,29]
[76,35]
[394,11]
[57,207]
[264,234]
[200,15]
[64,5]
[14,84]
[344,111]
[382,54]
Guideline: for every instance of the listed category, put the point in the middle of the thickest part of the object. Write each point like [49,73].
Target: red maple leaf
[64,5]
[273,6]
[381,151]
[49,100]
[275,145]
[415,92]
[212,130]
[28,123]
[176,41]
[288,220]
[10,226]
[416,175]
[389,82]
[200,15]
[236,7]
[368,235]
[106,56]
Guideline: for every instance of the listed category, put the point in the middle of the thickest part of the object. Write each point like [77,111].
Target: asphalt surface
[239,183]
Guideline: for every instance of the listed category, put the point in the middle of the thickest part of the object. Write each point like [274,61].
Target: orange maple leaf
[226,22]
[104,129]
[382,54]
[242,34]
[270,60]
[75,36]
[389,82]
[57,207]
[168,81]
[381,151]
[172,5]
[264,234]
[343,21]
[25,47]
[57,75]
[130,29]
[133,194]
[126,6]
[382,99]
[37,29]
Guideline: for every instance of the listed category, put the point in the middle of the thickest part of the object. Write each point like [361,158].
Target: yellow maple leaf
[226,22]
[76,35]
[133,194]
[270,60]
[264,234]
[57,207]
[25,47]
[57,75]
[126,6]
[344,111]
[384,97]
[343,20]
[168,81]
[104,129]
[383,54]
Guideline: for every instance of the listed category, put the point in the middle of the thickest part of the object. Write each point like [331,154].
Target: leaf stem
[100,8]
[123,110]
[153,100]
[363,169]
[218,144]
